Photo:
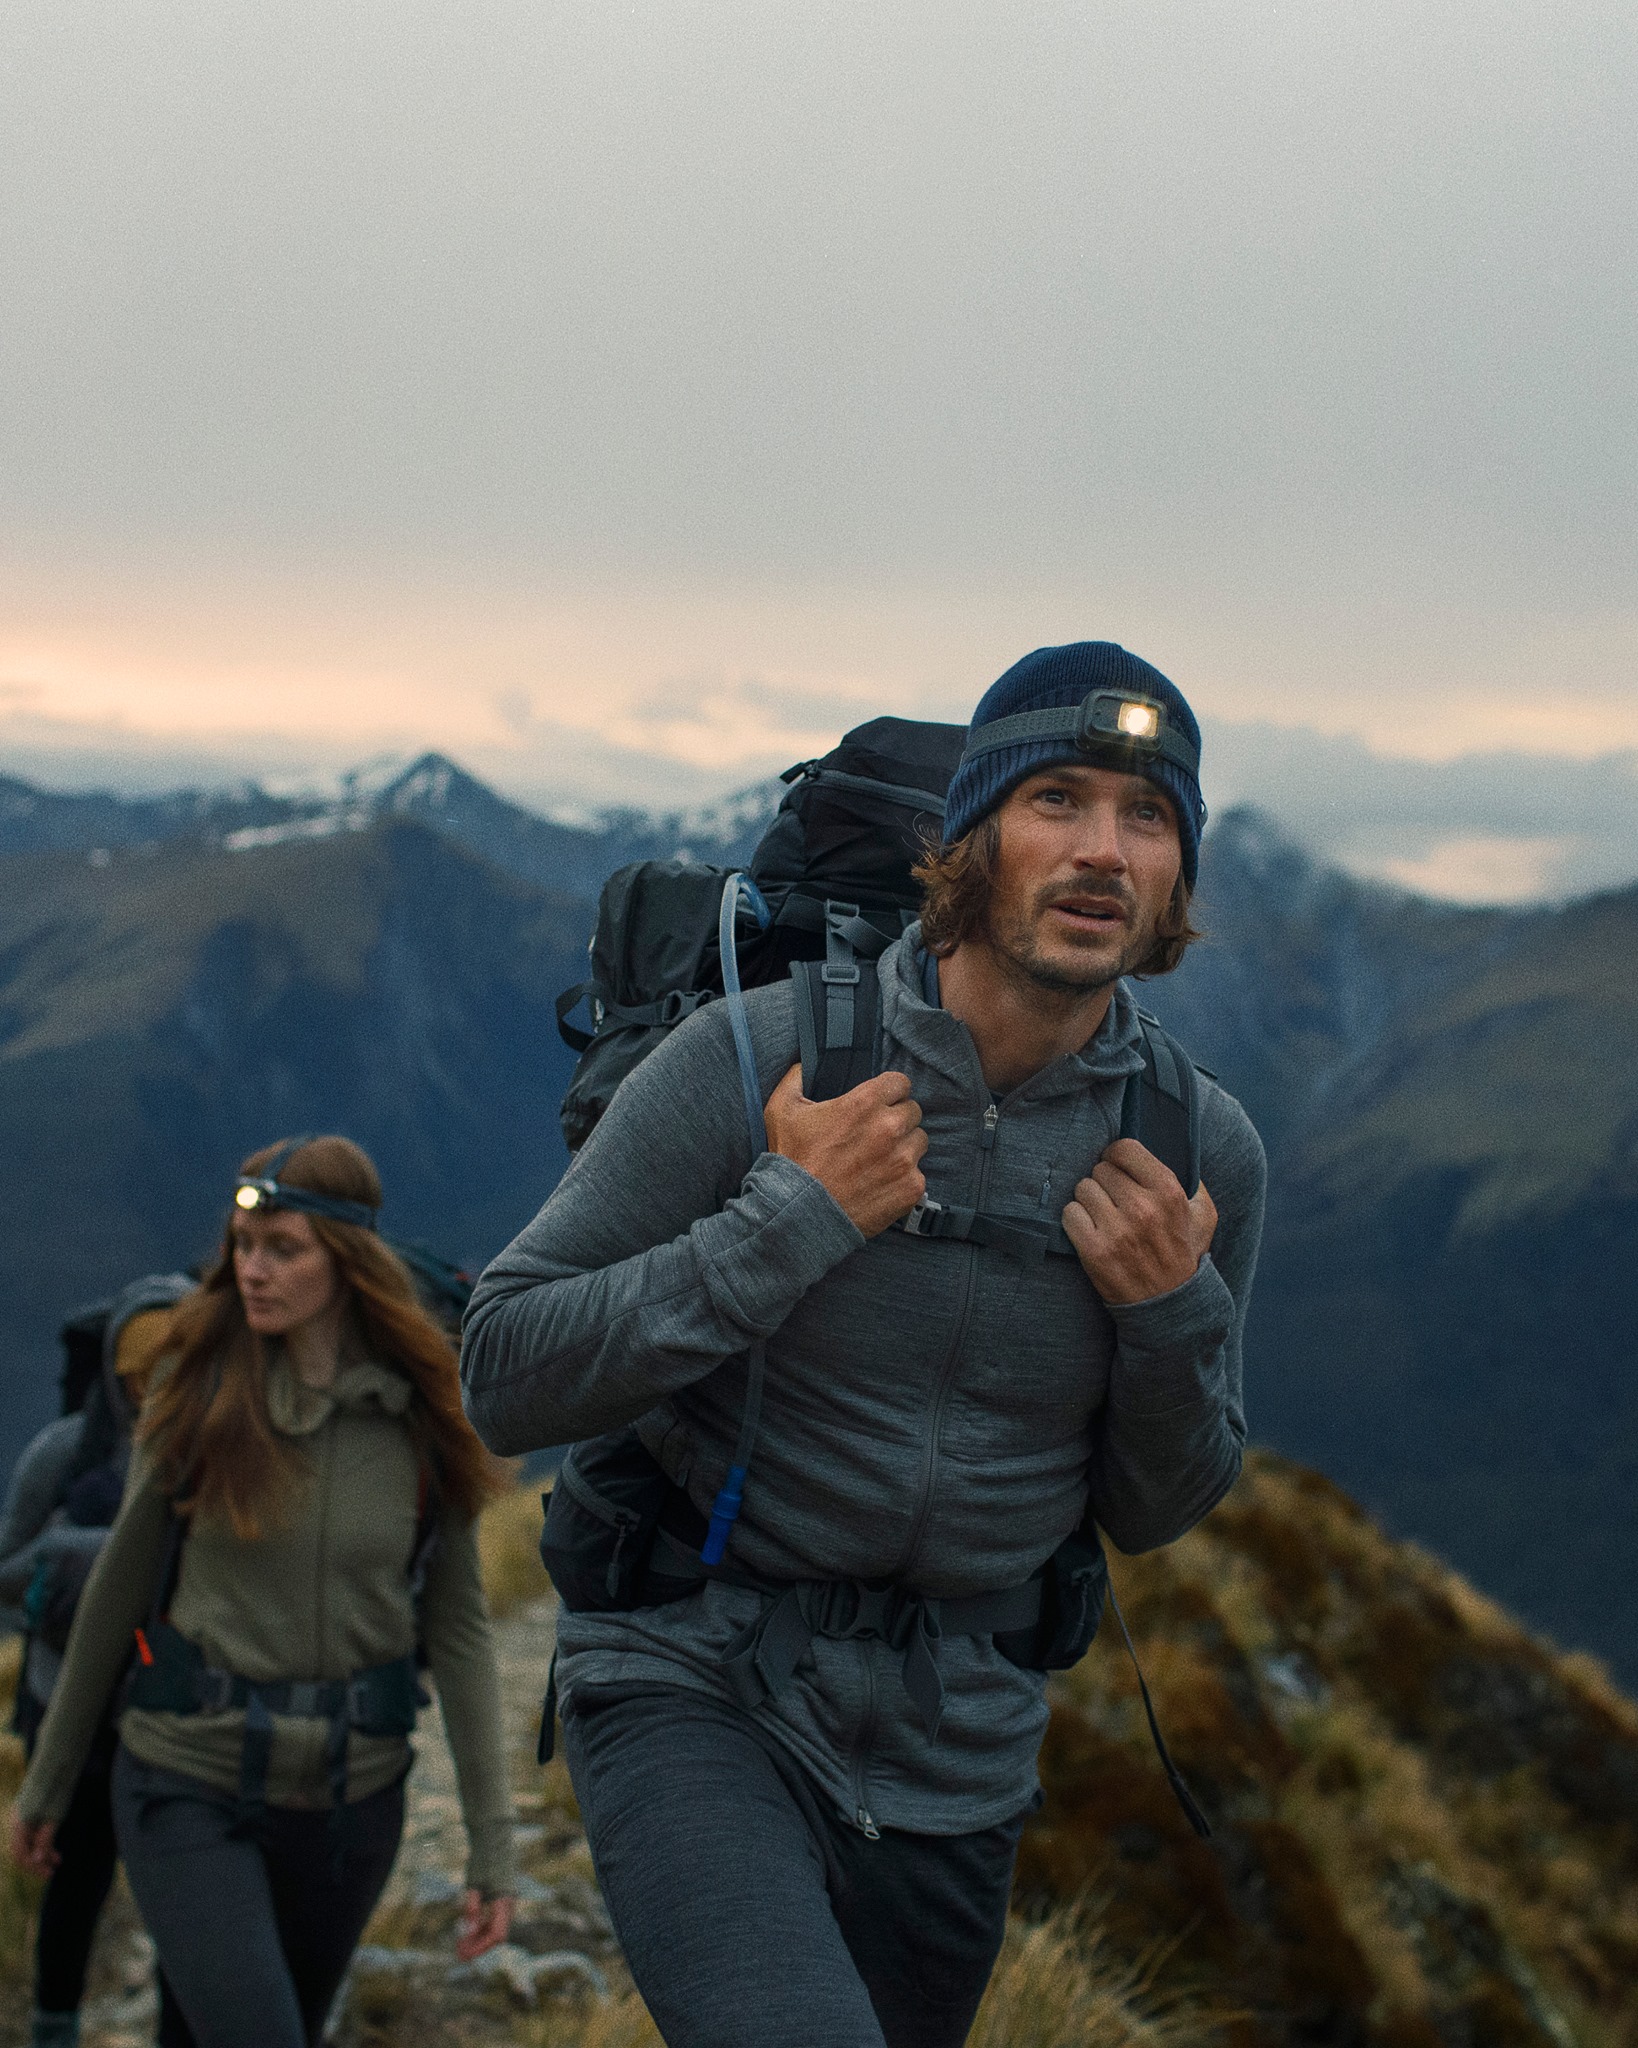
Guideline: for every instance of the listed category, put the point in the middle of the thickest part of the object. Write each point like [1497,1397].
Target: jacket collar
[944,1043]
[296,1409]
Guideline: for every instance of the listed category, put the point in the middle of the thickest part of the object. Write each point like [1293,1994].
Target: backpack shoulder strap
[1161,1105]
[429,1507]
[838,1027]
[170,1570]
[839,1006]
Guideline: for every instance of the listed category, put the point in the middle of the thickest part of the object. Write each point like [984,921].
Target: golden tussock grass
[1055,1986]
[1427,1818]
[618,2022]
[1059,1985]
[19,1895]
[509,1553]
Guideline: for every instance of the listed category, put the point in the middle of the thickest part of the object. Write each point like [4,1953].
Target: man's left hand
[1137,1233]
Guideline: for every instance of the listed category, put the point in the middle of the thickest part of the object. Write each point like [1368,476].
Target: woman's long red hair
[206,1421]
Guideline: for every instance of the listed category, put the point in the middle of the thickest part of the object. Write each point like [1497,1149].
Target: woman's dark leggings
[751,1913]
[75,1897]
[255,1924]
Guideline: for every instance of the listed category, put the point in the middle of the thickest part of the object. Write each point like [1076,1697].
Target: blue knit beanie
[1093,673]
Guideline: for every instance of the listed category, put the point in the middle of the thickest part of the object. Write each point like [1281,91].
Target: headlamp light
[1136,722]
[251,1194]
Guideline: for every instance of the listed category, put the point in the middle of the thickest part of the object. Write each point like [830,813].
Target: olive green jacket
[321,1595]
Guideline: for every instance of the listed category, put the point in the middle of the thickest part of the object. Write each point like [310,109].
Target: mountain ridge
[431,787]
[1449,1096]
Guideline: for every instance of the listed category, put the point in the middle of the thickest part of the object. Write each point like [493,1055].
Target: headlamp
[261,1193]
[1121,723]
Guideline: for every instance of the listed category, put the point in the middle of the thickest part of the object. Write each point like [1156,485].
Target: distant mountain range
[1446,1311]
[432,790]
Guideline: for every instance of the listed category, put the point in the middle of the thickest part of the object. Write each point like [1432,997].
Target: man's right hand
[862,1147]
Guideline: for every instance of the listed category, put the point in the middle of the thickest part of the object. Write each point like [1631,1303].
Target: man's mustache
[1119,895]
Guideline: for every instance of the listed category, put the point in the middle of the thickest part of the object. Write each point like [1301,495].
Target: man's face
[1087,864]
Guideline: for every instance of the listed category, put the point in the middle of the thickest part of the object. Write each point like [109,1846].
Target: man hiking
[803,1782]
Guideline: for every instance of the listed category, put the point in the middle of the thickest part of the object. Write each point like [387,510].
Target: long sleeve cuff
[1171,1349]
[490,1865]
[781,1234]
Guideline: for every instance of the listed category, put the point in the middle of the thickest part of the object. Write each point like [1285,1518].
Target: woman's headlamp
[253,1195]
[1106,722]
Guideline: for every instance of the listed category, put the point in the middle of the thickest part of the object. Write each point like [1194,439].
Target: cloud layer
[670,378]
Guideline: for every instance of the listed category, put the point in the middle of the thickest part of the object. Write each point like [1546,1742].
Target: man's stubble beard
[1012,943]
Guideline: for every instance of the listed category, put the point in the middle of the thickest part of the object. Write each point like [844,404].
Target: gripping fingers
[1203,1217]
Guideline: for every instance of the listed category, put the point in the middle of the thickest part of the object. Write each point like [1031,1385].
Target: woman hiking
[298,1521]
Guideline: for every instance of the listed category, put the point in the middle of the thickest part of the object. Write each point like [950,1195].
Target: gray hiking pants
[751,1913]
[255,1926]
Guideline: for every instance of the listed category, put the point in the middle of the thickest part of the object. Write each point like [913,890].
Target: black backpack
[831,879]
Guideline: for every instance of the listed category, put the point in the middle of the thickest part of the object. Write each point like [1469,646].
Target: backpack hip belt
[763,1659]
[170,1676]
[765,1656]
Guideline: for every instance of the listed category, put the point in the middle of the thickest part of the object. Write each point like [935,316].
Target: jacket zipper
[867,1735]
[986,1153]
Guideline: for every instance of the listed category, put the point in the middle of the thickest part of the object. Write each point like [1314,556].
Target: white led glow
[1138,721]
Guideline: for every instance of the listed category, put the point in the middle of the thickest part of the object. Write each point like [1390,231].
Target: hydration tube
[725,1508]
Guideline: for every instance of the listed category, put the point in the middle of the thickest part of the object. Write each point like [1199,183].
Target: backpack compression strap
[669,1009]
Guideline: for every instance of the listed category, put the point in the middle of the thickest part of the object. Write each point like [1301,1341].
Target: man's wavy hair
[956,881]
[206,1422]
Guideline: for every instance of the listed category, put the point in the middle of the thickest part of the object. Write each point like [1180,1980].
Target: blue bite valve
[724,1514]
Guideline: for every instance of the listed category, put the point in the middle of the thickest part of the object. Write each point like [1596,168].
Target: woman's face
[285,1275]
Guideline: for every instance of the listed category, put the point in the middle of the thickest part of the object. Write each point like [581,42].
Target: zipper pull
[866,1826]
[986,1129]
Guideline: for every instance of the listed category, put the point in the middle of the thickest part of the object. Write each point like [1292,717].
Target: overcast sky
[625,399]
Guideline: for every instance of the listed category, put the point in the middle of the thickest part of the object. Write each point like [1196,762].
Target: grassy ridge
[1427,1820]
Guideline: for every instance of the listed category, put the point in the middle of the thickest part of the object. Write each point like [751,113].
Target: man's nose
[1098,843]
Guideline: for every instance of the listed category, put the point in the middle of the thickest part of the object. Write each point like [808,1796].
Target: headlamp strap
[1078,724]
[308,1200]
[282,1158]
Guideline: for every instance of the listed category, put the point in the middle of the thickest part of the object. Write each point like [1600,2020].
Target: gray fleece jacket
[935,1414]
